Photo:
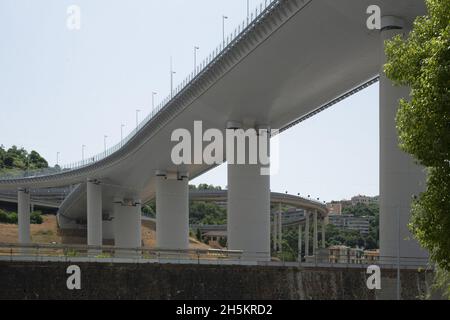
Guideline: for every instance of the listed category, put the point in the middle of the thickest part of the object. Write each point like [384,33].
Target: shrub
[36,217]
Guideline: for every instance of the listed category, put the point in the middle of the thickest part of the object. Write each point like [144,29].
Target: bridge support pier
[280,229]
[307,233]
[300,243]
[94,215]
[172,211]
[324,244]
[274,233]
[400,177]
[248,222]
[23,213]
[315,234]
[127,227]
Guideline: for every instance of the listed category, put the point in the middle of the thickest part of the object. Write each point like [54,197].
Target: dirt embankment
[48,232]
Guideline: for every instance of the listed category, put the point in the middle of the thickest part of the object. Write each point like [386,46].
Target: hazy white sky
[60,89]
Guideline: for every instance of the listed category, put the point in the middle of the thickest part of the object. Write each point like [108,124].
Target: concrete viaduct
[293,59]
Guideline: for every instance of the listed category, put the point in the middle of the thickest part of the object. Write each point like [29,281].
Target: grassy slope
[47,233]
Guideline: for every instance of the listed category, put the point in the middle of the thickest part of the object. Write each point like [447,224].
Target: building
[363,199]
[349,221]
[337,207]
[215,238]
[344,254]
[371,256]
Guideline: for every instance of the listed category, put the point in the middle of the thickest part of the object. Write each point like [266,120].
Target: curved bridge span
[293,60]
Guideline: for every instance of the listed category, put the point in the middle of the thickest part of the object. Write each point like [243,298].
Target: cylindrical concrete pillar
[307,233]
[249,207]
[127,224]
[299,243]
[275,232]
[280,229]
[23,213]
[172,212]
[316,234]
[400,177]
[94,213]
[324,243]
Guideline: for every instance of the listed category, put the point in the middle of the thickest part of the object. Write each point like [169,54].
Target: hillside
[47,233]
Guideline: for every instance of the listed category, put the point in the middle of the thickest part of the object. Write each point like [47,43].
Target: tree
[422,62]
[35,161]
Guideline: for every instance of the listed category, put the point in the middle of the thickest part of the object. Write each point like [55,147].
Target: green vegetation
[335,235]
[11,217]
[15,158]
[200,212]
[422,62]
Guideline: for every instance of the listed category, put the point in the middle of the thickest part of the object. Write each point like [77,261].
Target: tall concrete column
[23,213]
[324,245]
[316,234]
[249,207]
[94,213]
[307,233]
[172,211]
[400,177]
[127,225]
[275,232]
[280,229]
[299,243]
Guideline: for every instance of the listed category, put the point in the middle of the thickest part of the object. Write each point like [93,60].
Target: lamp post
[57,158]
[195,58]
[137,118]
[248,10]
[223,29]
[104,142]
[153,100]
[171,77]
[82,152]
[121,134]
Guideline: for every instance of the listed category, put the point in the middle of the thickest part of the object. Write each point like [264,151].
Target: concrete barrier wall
[36,280]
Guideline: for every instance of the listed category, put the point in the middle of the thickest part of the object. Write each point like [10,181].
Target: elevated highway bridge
[294,59]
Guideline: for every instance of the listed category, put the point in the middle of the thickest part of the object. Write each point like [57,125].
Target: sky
[61,89]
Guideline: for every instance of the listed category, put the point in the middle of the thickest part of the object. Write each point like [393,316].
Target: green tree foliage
[204,186]
[209,213]
[19,158]
[11,217]
[422,62]
[200,212]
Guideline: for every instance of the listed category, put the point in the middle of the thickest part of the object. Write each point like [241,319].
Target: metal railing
[110,254]
[239,32]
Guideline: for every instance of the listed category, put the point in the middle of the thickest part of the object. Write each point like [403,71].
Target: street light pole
[57,158]
[104,142]
[121,134]
[248,10]
[195,58]
[153,100]
[171,78]
[223,29]
[137,118]
[82,152]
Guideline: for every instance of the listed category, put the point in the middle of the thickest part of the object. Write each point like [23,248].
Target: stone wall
[47,280]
